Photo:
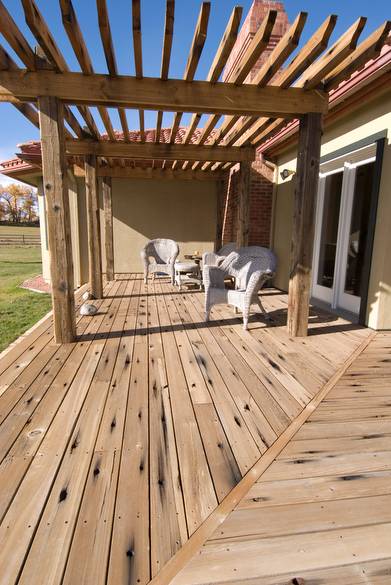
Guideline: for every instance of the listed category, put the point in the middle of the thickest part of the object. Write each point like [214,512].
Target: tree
[18,203]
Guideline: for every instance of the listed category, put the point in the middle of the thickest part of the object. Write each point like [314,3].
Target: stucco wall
[43,231]
[142,210]
[371,119]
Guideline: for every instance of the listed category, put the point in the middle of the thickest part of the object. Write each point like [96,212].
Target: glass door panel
[353,250]
[326,235]
[329,230]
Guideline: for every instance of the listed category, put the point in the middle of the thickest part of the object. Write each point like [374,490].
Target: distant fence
[20,239]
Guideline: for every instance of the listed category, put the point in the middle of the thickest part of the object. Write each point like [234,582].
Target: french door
[342,215]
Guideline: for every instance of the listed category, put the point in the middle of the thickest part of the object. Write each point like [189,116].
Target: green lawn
[16,229]
[19,308]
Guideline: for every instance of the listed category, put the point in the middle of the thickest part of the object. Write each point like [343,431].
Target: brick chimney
[261,181]
[250,26]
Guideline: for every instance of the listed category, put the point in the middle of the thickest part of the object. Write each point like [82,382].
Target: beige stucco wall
[77,209]
[145,209]
[372,118]
[43,232]
[184,211]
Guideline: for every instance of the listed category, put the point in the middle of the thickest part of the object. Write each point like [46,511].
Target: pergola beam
[150,151]
[155,94]
[152,173]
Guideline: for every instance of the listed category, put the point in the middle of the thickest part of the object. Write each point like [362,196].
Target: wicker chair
[216,258]
[251,267]
[159,256]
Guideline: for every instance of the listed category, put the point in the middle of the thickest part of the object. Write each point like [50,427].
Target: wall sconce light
[286,173]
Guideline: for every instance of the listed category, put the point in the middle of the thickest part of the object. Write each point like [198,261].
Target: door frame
[339,161]
[319,291]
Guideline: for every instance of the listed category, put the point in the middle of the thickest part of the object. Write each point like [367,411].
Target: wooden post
[51,121]
[220,200]
[243,215]
[93,221]
[108,211]
[307,178]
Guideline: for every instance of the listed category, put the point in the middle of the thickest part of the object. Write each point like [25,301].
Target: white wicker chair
[216,258]
[159,256]
[251,267]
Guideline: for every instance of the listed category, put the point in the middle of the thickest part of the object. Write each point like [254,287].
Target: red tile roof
[30,152]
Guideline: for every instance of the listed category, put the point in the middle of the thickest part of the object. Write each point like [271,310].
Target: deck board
[116,449]
[321,512]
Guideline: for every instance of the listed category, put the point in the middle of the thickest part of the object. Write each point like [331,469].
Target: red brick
[261,186]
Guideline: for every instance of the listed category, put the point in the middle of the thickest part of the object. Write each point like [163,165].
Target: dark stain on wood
[299,461]
[76,442]
[274,365]
[63,495]
[351,477]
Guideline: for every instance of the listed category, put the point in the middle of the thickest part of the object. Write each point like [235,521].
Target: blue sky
[14,128]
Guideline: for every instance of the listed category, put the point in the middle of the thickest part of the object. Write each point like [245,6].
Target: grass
[16,229]
[19,308]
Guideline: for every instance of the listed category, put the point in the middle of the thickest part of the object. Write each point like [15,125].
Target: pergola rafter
[223,52]
[252,112]
[313,77]
[311,50]
[278,56]
[193,59]
[138,55]
[255,49]
[166,56]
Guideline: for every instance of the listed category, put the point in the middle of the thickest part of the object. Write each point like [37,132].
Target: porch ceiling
[252,110]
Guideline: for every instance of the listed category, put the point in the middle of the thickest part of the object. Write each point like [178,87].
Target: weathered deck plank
[321,511]
[117,448]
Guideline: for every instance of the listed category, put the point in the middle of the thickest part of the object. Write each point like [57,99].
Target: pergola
[45,91]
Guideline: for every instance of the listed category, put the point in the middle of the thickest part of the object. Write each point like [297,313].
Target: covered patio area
[120,450]
[128,438]
[243,111]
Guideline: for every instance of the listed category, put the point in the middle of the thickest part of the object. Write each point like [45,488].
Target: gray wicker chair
[216,258]
[159,256]
[251,267]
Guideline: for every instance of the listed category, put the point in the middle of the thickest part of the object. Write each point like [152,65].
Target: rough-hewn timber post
[93,221]
[243,215]
[51,121]
[220,199]
[307,178]
[108,211]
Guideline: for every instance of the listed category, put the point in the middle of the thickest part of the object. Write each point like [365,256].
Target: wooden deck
[321,513]
[119,452]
